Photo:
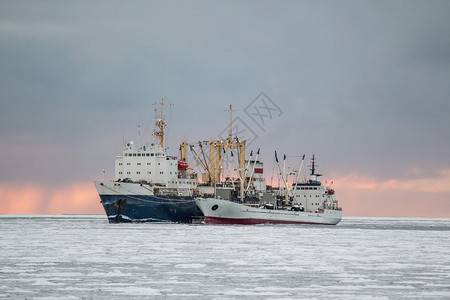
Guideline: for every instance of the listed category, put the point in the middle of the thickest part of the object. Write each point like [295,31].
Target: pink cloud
[358,195]
[419,197]
[26,199]
[439,184]
[79,198]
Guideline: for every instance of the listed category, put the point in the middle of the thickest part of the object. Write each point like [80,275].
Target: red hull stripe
[229,221]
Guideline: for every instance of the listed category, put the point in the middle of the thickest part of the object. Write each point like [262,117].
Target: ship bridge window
[126,154]
[315,188]
[148,164]
[147,154]
[128,164]
[134,154]
[152,154]
[139,154]
[138,164]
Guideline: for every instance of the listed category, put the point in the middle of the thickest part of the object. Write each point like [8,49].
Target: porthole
[215,206]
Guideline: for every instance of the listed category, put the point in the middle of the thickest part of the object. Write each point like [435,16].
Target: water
[79,257]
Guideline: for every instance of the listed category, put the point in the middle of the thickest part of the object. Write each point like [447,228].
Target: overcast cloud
[365,85]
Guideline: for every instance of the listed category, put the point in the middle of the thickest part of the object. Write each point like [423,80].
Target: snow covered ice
[78,257]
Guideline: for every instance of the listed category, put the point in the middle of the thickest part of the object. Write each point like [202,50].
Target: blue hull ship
[149,184]
[144,207]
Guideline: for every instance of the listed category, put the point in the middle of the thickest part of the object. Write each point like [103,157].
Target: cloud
[365,85]
[78,198]
[419,197]
[25,199]
[439,184]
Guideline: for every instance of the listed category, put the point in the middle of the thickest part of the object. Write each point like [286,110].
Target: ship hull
[219,211]
[131,202]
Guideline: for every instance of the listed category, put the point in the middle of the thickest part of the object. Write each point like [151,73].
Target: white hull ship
[305,203]
[219,211]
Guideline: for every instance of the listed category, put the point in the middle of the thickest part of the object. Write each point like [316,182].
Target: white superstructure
[152,165]
[311,195]
[314,197]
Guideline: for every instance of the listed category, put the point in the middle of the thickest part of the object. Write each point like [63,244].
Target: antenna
[230,137]
[139,134]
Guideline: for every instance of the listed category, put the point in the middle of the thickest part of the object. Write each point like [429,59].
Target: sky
[363,85]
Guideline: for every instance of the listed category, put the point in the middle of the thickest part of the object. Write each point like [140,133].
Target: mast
[298,174]
[314,178]
[160,124]
[139,133]
[253,169]
[240,148]
[285,179]
[183,149]
[313,169]
[231,122]
[230,135]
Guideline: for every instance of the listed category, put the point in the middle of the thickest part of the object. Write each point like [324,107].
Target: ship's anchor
[119,206]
